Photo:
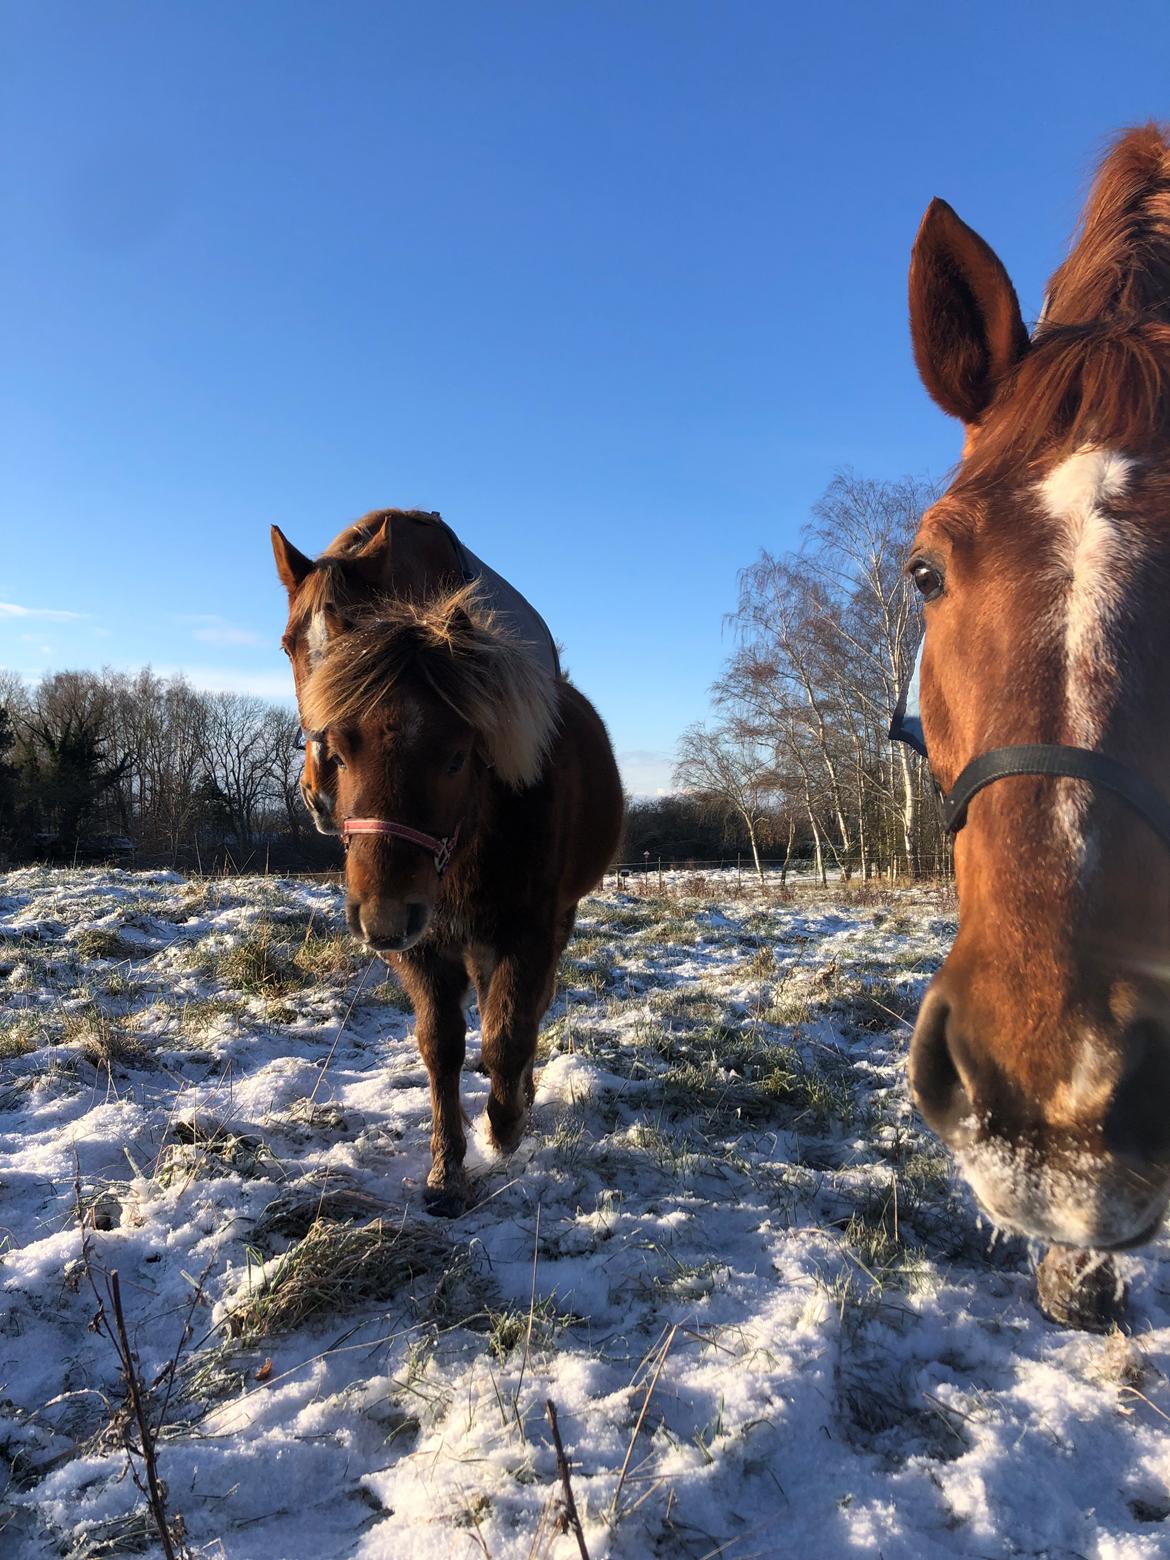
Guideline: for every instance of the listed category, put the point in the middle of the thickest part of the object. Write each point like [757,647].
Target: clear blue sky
[614,286]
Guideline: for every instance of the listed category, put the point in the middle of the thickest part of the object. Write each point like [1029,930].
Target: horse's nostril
[416,918]
[353,918]
[935,1079]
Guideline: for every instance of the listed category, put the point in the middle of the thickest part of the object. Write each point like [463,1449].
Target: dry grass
[102,1041]
[328,956]
[333,1269]
[260,965]
[203,1148]
[292,1217]
[22,1033]
[104,942]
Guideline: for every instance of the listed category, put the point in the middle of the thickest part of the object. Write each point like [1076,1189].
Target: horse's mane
[1098,369]
[1119,265]
[458,650]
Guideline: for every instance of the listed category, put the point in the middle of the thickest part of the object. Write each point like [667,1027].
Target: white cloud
[646,772]
[277,684]
[213,630]
[225,634]
[10,609]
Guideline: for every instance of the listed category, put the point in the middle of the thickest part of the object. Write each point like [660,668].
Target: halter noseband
[1069,763]
[441,849]
[1053,759]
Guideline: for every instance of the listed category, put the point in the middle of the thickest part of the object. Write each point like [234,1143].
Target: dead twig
[154,1491]
[118,1334]
[566,1482]
[641,1416]
[528,1336]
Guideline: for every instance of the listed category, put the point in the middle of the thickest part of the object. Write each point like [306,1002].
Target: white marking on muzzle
[1078,1200]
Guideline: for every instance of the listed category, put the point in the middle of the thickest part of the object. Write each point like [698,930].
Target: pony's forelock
[456,649]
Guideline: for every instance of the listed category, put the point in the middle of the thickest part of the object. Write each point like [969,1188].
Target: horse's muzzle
[1084,1162]
[388,925]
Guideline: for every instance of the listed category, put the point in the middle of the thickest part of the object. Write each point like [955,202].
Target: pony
[479,800]
[1041,1053]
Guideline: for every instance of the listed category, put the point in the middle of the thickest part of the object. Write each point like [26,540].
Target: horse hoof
[505,1127]
[1080,1289]
[444,1202]
[507,1143]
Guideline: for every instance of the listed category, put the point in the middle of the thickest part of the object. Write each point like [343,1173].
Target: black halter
[1070,763]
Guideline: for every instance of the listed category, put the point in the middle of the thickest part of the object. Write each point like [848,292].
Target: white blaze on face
[1093,562]
[317,638]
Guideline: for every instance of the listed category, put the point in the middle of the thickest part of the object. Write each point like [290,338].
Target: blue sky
[616,287]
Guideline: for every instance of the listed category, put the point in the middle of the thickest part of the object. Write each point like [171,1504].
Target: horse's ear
[291,565]
[370,562]
[965,319]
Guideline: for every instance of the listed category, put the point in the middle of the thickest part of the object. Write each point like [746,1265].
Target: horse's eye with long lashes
[457,762]
[928,580]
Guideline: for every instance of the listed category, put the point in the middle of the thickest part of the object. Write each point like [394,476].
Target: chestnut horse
[479,800]
[1042,1051]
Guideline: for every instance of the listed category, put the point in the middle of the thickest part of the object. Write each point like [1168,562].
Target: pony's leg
[436,982]
[520,989]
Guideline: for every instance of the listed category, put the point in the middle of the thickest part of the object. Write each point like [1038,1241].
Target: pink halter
[441,849]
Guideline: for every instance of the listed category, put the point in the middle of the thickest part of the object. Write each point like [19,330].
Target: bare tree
[241,743]
[727,768]
[825,639]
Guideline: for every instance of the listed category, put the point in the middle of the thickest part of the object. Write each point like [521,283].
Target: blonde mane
[457,649]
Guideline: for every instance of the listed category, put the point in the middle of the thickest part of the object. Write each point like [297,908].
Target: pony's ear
[965,319]
[369,563]
[291,565]
[377,541]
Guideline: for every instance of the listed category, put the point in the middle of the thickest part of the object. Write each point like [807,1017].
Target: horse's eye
[457,762]
[928,580]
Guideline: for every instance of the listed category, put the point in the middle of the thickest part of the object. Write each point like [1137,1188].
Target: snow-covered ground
[770,1320]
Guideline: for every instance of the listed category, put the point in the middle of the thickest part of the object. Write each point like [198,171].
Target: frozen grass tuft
[293,1216]
[260,965]
[103,942]
[103,1040]
[334,1269]
[203,1148]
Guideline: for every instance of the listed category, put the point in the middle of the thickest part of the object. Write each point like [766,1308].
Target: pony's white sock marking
[1093,566]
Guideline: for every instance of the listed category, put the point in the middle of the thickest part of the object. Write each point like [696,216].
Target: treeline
[795,765]
[115,766]
[797,751]
[682,828]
